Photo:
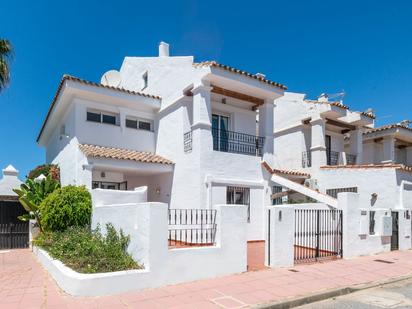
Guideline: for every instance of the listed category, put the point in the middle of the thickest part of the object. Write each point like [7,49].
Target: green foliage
[67,206]
[46,169]
[88,251]
[32,193]
[6,53]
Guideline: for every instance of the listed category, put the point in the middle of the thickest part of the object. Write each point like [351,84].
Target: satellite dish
[111,78]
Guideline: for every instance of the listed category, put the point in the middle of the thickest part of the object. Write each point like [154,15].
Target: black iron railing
[318,234]
[332,157]
[235,142]
[306,159]
[191,227]
[187,141]
[334,192]
[350,159]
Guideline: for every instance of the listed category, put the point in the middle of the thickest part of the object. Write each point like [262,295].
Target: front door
[220,131]
[395,231]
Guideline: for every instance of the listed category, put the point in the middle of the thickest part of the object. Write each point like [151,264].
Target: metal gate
[13,232]
[395,231]
[318,235]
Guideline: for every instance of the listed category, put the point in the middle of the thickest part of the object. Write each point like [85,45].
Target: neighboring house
[189,131]
[388,144]
[333,149]
[13,232]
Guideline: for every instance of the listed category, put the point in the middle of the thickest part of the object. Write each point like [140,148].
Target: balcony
[235,142]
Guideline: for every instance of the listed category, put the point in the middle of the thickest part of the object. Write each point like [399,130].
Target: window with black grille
[334,192]
[239,196]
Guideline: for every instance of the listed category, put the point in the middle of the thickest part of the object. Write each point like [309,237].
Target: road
[397,295]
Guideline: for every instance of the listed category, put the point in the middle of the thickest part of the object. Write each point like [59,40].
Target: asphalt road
[397,295]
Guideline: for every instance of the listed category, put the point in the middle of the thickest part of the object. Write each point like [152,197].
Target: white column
[202,109]
[279,247]
[409,156]
[388,150]
[318,148]
[266,128]
[356,145]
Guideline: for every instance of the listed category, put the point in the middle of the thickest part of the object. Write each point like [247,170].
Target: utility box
[386,226]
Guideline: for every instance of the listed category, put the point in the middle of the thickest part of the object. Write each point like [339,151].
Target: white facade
[215,106]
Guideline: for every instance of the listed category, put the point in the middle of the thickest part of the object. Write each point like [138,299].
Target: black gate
[395,231]
[318,235]
[13,232]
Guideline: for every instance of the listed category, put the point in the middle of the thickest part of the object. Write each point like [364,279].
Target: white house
[186,130]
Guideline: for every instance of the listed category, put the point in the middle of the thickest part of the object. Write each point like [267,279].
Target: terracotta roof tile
[285,172]
[238,71]
[86,82]
[396,166]
[336,103]
[122,154]
[387,127]
[341,105]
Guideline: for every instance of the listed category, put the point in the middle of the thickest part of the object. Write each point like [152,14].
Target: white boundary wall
[357,241]
[146,223]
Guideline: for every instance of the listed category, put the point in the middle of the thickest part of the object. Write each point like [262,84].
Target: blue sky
[362,47]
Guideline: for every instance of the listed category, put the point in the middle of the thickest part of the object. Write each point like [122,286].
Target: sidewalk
[25,284]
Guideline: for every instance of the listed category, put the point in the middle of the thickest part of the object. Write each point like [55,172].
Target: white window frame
[138,119]
[101,113]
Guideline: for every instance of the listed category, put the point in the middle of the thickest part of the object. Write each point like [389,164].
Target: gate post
[280,231]
[349,204]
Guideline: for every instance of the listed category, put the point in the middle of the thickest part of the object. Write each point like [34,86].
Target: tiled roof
[341,105]
[387,127]
[238,71]
[401,167]
[337,103]
[122,154]
[285,172]
[86,82]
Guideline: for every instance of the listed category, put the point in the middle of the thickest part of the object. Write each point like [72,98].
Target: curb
[300,301]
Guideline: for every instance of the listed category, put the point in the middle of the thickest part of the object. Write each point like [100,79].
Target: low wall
[112,197]
[147,225]
[357,239]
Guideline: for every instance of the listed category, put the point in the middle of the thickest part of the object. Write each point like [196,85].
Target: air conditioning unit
[312,183]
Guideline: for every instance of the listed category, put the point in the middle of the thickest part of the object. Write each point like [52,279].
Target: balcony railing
[332,157]
[235,142]
[306,159]
[350,159]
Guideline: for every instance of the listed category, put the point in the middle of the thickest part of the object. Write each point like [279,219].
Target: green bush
[46,169]
[65,207]
[88,251]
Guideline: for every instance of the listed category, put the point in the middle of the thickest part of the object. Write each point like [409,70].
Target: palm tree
[5,56]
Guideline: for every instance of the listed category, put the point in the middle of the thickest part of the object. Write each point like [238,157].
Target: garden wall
[147,225]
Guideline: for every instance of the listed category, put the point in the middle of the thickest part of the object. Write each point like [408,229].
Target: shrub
[32,193]
[67,206]
[46,169]
[88,251]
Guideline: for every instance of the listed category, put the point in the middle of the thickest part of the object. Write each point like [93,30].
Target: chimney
[163,49]
[323,97]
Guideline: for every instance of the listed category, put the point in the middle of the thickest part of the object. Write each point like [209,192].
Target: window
[95,117]
[277,200]
[145,79]
[110,119]
[102,117]
[239,196]
[144,125]
[134,123]
[371,223]
[130,123]
[334,192]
